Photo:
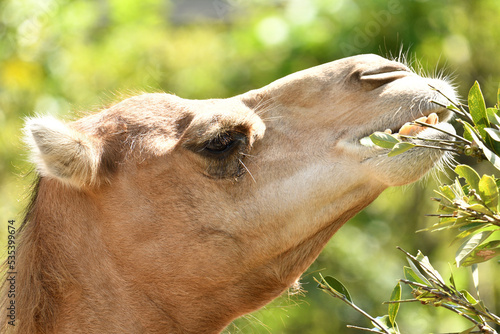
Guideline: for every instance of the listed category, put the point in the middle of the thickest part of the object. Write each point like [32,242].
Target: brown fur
[159,234]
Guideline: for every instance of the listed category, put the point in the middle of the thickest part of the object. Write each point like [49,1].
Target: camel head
[162,214]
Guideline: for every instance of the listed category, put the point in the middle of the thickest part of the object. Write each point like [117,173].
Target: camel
[166,215]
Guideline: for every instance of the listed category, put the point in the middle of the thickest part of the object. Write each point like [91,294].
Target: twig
[475,322]
[401,301]
[448,133]
[451,298]
[345,300]
[364,329]
[443,141]
[459,106]
[438,148]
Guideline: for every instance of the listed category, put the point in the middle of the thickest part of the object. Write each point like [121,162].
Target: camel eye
[222,143]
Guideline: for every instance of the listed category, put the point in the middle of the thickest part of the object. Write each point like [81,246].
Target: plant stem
[455,104]
[443,141]
[438,148]
[364,329]
[459,112]
[334,293]
[448,133]
[401,301]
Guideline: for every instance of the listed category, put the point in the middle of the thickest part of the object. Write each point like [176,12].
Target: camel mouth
[430,124]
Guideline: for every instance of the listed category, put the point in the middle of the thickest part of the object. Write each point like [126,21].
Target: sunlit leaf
[493,117]
[400,148]
[467,134]
[477,109]
[384,140]
[475,276]
[483,253]
[444,223]
[473,228]
[489,192]
[452,278]
[367,141]
[498,98]
[469,174]
[469,245]
[458,190]
[493,139]
[494,133]
[426,265]
[478,208]
[447,193]
[446,208]
[394,307]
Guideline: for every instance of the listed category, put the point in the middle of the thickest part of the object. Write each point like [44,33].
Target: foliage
[471,209]
[428,288]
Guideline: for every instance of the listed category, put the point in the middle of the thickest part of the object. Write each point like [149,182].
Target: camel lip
[444,116]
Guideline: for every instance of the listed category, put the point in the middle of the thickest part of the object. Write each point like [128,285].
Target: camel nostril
[383,75]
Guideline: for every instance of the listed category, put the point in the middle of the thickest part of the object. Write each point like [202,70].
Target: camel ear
[61,152]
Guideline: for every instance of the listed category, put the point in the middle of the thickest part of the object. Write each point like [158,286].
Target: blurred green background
[66,57]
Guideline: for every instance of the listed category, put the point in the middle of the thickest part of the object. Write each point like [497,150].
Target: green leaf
[469,245]
[475,277]
[452,279]
[459,190]
[478,208]
[468,296]
[400,148]
[427,267]
[483,253]
[469,174]
[477,109]
[416,271]
[447,193]
[384,140]
[498,98]
[410,275]
[367,141]
[493,117]
[394,308]
[467,134]
[492,157]
[473,228]
[335,284]
[452,107]
[493,139]
[384,321]
[488,192]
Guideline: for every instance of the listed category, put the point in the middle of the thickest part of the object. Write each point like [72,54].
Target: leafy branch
[384,325]
[427,288]
[470,206]
[481,126]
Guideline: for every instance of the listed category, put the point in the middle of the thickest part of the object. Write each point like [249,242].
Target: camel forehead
[161,107]
[161,113]
[157,122]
